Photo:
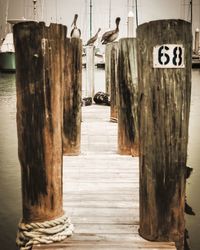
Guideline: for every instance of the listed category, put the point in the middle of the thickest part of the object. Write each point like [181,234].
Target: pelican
[93,39]
[75,31]
[111,35]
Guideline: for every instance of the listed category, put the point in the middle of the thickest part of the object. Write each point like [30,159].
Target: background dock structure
[101,191]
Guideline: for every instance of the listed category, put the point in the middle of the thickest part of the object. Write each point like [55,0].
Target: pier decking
[101,191]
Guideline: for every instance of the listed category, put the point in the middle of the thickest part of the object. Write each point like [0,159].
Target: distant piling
[72,94]
[111,68]
[113,81]
[196,42]
[128,98]
[108,67]
[39,82]
[164,75]
[89,88]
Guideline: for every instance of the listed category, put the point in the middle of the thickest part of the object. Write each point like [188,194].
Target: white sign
[168,56]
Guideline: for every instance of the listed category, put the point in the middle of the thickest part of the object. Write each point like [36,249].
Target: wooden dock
[101,191]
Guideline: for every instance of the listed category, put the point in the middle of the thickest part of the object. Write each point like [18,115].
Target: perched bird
[111,35]
[75,31]
[93,39]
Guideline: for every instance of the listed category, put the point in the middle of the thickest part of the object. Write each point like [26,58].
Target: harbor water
[10,176]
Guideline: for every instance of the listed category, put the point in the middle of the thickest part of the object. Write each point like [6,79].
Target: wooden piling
[128,98]
[39,108]
[164,75]
[72,97]
[113,81]
[89,87]
[107,67]
[196,42]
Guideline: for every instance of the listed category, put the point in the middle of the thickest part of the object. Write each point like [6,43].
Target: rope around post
[43,232]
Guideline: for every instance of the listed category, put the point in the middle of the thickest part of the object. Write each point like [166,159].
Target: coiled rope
[43,232]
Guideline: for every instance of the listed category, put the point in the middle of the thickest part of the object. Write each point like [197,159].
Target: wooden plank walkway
[101,191]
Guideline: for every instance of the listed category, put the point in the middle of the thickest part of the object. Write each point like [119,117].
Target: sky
[62,11]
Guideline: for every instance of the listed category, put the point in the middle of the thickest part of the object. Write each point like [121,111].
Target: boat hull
[7,62]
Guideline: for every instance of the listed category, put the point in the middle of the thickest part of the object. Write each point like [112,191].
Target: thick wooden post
[113,81]
[128,98]
[164,74]
[107,67]
[39,109]
[72,97]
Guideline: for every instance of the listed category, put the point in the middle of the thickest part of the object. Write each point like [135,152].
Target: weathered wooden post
[128,98]
[89,88]
[113,81]
[196,42]
[107,67]
[164,75]
[72,97]
[39,75]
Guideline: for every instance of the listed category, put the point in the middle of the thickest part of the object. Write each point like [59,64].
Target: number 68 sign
[168,56]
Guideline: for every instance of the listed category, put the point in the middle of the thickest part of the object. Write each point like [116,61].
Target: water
[10,194]
[10,184]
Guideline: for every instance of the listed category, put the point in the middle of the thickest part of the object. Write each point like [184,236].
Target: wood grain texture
[113,81]
[105,211]
[164,106]
[108,67]
[72,97]
[128,98]
[39,78]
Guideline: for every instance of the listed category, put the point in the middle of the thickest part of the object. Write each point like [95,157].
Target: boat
[195,61]
[99,60]
[7,50]
[7,54]
[196,52]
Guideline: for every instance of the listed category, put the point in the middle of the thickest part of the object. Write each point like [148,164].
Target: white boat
[7,51]
[7,54]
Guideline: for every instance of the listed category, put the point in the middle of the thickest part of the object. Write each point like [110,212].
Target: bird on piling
[111,35]
[75,31]
[93,39]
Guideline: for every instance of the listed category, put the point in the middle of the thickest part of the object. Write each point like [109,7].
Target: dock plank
[101,191]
